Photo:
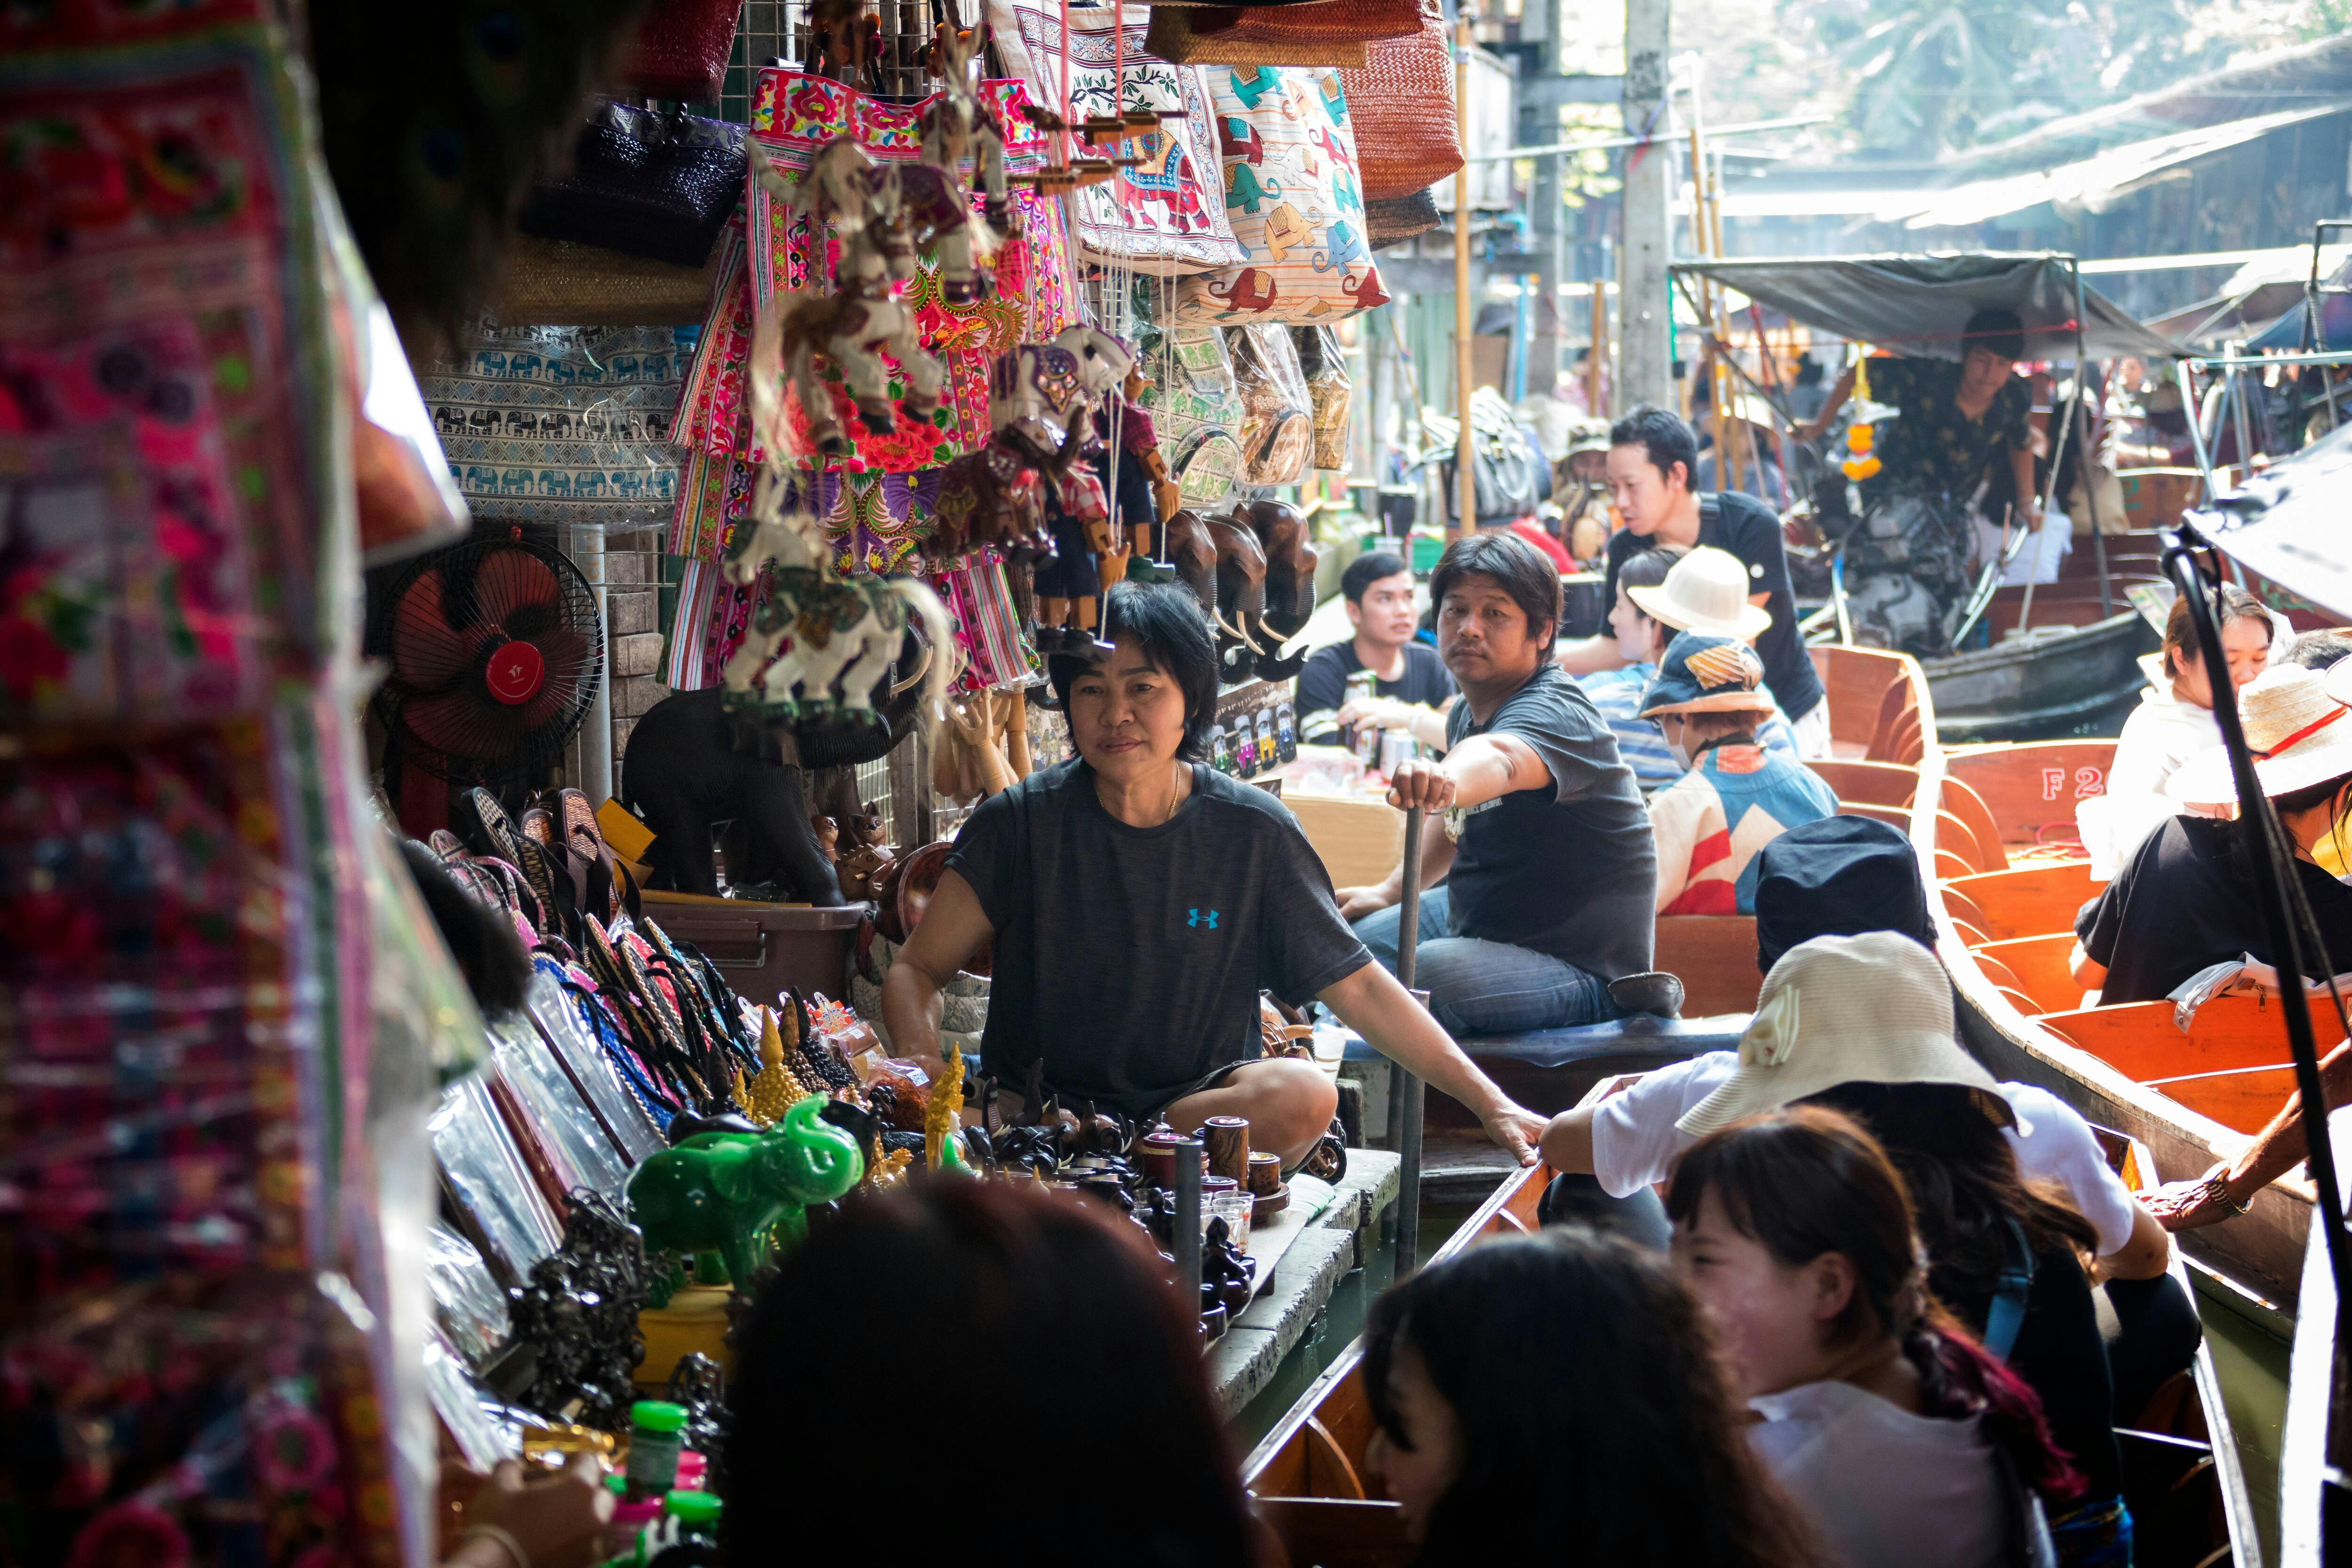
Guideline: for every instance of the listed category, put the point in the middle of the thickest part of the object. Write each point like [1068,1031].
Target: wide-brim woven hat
[1707,675]
[2296,729]
[1873,1009]
[1707,592]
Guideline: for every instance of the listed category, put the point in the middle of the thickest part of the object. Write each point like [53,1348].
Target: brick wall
[633,633]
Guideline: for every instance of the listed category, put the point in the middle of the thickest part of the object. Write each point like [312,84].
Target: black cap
[1839,876]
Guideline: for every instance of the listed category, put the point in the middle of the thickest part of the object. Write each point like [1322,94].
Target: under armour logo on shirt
[1197,922]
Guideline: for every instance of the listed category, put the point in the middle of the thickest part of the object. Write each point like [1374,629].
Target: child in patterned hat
[1736,796]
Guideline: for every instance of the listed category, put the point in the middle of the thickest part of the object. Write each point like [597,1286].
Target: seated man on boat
[1737,797]
[1963,420]
[2185,901]
[1545,919]
[1138,900]
[1652,458]
[1409,688]
[1643,637]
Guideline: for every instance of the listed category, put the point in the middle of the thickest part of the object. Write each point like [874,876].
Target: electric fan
[495,652]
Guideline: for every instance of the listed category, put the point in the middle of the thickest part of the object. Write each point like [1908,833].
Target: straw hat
[1707,592]
[2292,719]
[1873,1009]
[1707,675]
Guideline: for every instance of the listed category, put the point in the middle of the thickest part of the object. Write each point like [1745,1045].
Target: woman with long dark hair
[1564,1396]
[1041,1402]
[1906,1441]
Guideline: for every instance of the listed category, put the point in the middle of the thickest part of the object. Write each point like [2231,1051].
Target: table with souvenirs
[949,333]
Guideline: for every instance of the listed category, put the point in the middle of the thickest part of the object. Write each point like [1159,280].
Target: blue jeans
[1481,987]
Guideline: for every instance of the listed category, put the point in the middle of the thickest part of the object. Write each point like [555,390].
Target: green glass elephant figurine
[740,1194]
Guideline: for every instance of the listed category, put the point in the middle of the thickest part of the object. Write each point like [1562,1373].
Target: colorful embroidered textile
[1296,206]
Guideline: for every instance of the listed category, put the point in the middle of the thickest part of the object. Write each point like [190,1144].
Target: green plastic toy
[742,1195]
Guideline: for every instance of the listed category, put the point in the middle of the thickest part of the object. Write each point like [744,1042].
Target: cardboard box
[1359,839]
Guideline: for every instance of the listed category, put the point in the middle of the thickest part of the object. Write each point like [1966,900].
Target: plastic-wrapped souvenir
[583,1155]
[1277,428]
[467,1303]
[486,1178]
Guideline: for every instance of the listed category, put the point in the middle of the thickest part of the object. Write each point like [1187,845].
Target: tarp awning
[1917,305]
[2287,522]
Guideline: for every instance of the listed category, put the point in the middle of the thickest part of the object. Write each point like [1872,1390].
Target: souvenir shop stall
[995,311]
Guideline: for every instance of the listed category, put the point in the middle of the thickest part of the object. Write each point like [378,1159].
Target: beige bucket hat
[1873,1009]
[2295,727]
[1707,592]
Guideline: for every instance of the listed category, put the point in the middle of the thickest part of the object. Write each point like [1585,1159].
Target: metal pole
[1405,1098]
[1465,477]
[2090,480]
[1188,1224]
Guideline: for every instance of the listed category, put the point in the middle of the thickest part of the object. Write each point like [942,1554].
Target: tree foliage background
[1918,79]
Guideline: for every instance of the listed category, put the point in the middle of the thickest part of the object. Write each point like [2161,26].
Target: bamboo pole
[1595,361]
[1464,476]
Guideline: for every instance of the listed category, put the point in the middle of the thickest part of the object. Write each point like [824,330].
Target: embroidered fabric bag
[1168,215]
[563,424]
[1296,201]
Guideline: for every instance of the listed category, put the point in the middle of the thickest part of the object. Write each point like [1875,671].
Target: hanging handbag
[1329,393]
[1403,105]
[563,424]
[1165,215]
[656,185]
[681,50]
[1393,220]
[1290,162]
[1277,428]
[1327,33]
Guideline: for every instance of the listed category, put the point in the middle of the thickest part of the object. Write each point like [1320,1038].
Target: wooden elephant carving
[1241,595]
[1290,563]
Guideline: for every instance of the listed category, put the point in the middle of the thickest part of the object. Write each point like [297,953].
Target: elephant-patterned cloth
[563,424]
[1295,201]
[1167,215]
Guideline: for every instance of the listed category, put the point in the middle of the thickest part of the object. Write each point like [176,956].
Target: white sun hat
[1706,592]
[2296,729]
[1873,1009]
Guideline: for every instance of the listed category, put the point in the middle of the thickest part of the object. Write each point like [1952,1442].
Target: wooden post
[1593,362]
[1645,374]
[1464,474]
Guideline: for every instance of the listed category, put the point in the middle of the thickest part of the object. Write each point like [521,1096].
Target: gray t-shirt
[1129,959]
[1571,871]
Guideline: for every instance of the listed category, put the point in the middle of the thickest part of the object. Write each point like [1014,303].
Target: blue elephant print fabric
[1295,194]
[563,424]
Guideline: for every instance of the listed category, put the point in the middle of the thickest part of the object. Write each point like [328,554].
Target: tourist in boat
[1548,867]
[1409,686]
[1737,797]
[2185,901]
[1866,1024]
[1651,457]
[1618,693]
[1841,876]
[1564,1396]
[2173,722]
[2319,650]
[1906,1443]
[1027,1319]
[1138,900]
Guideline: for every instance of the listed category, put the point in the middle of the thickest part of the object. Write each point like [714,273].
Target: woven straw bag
[1324,33]
[1393,220]
[681,50]
[1402,104]
[556,282]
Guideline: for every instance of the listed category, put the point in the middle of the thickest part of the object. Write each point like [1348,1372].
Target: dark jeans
[1480,987]
[2152,1332]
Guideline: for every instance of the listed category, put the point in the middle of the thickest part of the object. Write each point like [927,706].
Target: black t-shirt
[1129,959]
[1323,688]
[1749,530]
[2060,1355]
[2186,902]
[1571,871]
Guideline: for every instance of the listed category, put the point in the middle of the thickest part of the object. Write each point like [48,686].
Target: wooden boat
[2316,1443]
[2005,928]
[1307,1478]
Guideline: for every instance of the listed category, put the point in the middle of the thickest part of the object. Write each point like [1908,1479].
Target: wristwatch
[2217,1188]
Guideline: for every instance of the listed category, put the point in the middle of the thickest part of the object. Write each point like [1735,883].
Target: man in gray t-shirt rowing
[1550,872]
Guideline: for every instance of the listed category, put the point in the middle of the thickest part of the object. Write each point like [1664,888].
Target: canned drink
[1396,746]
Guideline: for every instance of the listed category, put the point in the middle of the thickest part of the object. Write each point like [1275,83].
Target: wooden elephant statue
[735,1197]
[1192,551]
[995,497]
[1240,597]
[1290,563]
